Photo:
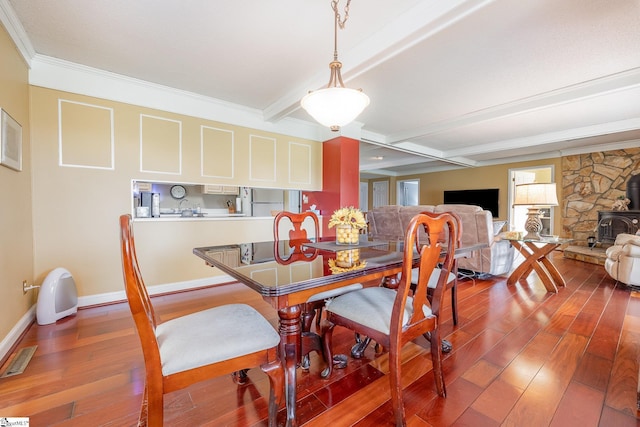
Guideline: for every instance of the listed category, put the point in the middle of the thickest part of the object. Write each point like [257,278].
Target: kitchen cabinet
[220,189]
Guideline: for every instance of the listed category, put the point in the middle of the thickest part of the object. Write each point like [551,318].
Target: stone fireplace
[591,183]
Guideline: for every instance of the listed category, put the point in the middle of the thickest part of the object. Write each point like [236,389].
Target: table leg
[290,340]
[535,259]
[553,271]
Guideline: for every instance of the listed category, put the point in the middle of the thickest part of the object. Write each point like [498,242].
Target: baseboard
[6,345]
[167,288]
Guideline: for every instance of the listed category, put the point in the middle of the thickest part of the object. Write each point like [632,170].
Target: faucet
[180,204]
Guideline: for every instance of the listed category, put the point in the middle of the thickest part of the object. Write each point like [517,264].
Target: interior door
[364,196]
[380,193]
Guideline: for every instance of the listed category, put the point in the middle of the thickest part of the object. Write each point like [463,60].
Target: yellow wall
[432,185]
[76,209]
[16,234]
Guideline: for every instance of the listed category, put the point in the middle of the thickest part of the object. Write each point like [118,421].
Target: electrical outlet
[25,288]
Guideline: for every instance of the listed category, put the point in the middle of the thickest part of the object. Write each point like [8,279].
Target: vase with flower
[348,222]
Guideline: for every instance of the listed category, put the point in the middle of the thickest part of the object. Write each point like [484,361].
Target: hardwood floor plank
[497,400]
[521,356]
[580,405]
[624,374]
[541,398]
[594,371]
[444,412]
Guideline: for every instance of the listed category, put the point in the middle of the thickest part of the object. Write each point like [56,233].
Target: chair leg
[275,372]
[144,410]
[454,303]
[318,317]
[240,377]
[395,379]
[310,340]
[155,406]
[436,358]
[327,338]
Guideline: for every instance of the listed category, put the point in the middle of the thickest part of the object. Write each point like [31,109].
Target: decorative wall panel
[299,163]
[85,135]
[262,159]
[160,145]
[217,152]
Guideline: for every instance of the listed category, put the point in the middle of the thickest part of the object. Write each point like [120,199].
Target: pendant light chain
[334,6]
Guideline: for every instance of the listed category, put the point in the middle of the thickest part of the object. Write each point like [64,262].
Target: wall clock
[178,192]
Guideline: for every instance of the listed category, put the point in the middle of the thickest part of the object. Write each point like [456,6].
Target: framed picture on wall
[10,142]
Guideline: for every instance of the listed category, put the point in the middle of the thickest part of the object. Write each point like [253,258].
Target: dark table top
[289,266]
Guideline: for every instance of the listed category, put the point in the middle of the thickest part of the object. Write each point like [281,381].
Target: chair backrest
[297,237]
[434,225]
[297,220]
[137,296]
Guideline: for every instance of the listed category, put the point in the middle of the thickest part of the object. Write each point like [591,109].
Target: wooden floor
[521,357]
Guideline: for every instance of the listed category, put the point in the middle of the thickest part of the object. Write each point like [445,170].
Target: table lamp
[534,196]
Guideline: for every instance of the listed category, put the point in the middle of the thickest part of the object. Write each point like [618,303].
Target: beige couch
[478,226]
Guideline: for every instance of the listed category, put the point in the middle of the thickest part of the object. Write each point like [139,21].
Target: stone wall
[591,183]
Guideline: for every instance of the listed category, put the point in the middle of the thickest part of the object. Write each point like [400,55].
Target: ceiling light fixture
[335,105]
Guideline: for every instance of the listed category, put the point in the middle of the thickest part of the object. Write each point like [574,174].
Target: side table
[536,259]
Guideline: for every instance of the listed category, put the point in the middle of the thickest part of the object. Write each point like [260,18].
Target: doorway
[408,192]
[380,193]
[518,214]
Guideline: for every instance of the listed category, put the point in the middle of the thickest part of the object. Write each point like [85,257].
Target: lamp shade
[335,106]
[536,194]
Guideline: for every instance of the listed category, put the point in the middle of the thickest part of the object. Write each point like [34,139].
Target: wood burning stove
[612,223]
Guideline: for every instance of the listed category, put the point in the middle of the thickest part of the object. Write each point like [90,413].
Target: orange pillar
[340,179]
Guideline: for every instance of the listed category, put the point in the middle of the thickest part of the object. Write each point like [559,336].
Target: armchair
[623,259]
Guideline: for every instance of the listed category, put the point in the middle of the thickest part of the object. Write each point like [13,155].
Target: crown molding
[53,73]
[16,31]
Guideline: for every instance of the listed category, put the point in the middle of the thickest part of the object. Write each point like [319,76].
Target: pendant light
[335,105]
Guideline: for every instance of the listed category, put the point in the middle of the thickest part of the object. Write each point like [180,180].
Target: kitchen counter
[178,217]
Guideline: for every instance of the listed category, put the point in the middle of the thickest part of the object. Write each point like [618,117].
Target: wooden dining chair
[393,317]
[452,278]
[198,346]
[298,235]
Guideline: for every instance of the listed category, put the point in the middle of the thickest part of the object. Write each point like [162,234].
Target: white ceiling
[453,83]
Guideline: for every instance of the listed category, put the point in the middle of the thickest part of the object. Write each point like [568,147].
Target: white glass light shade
[335,106]
[536,194]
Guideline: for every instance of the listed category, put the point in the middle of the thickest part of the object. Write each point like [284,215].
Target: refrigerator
[266,201]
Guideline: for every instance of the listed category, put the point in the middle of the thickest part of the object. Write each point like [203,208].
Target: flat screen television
[485,198]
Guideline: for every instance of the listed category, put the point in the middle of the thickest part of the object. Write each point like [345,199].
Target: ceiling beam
[413,26]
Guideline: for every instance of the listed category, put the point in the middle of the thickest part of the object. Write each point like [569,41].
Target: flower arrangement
[350,216]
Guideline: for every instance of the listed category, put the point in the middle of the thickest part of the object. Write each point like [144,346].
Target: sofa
[390,222]
[623,259]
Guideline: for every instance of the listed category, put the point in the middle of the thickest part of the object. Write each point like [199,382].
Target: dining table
[287,273]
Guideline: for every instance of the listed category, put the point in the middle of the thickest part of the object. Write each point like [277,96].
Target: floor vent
[20,362]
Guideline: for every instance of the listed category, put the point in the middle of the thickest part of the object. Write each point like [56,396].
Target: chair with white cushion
[623,259]
[393,317]
[303,224]
[452,278]
[198,346]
